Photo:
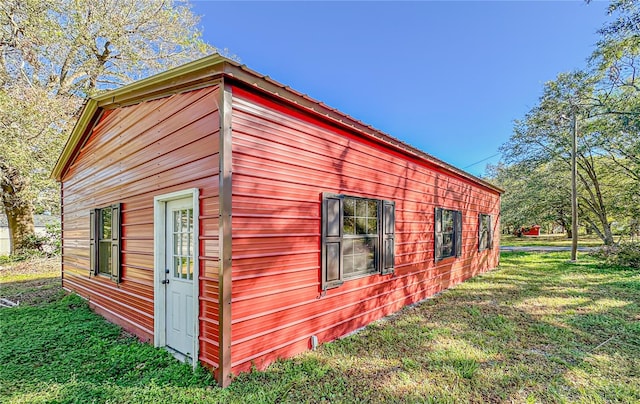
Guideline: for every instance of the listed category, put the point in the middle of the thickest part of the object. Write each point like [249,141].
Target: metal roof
[210,69]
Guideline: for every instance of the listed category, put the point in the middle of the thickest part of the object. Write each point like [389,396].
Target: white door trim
[159,301]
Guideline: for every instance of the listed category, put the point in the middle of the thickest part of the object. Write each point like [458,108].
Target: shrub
[46,245]
[623,254]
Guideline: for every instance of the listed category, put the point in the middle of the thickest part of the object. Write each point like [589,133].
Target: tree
[544,136]
[533,195]
[606,102]
[32,130]
[55,53]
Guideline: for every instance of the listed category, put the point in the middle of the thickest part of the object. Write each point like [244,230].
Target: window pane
[364,255]
[349,225]
[184,250]
[347,247]
[359,246]
[483,242]
[447,220]
[105,224]
[176,267]
[104,259]
[371,262]
[447,245]
[372,226]
[349,206]
[184,270]
[361,207]
[361,225]
[347,265]
[184,221]
[372,208]
[360,262]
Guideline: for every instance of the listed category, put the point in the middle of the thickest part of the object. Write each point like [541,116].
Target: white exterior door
[179,277]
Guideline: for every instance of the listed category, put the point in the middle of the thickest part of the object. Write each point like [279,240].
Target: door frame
[159,258]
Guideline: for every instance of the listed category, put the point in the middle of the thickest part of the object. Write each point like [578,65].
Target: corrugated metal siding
[282,161]
[133,154]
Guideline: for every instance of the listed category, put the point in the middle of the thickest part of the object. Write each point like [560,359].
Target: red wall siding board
[133,154]
[108,300]
[194,136]
[340,320]
[263,266]
[209,267]
[207,226]
[137,231]
[184,154]
[191,172]
[282,161]
[151,132]
[268,283]
[288,127]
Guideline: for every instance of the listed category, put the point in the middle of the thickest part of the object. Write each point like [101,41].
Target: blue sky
[448,77]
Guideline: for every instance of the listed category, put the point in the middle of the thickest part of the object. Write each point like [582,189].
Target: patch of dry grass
[31,282]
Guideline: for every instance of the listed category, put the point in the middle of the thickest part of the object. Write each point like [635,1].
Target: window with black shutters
[448,233]
[485,241]
[104,240]
[357,238]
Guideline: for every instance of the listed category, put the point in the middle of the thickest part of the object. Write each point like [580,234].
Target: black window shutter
[458,224]
[388,236]
[332,212]
[489,233]
[437,237]
[115,242]
[480,226]
[93,252]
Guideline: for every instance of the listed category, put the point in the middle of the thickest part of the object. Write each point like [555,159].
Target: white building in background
[40,222]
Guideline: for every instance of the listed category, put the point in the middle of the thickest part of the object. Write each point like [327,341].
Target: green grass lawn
[558,240]
[538,329]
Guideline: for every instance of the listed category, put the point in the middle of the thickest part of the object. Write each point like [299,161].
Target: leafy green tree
[55,53]
[606,102]
[544,136]
[533,195]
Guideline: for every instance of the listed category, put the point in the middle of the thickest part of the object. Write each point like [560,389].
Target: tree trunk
[20,225]
[595,201]
[19,210]
[608,235]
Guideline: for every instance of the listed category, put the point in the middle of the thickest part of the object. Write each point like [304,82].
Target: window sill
[360,276]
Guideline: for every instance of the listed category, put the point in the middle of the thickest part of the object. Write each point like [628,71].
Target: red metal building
[233,220]
[532,231]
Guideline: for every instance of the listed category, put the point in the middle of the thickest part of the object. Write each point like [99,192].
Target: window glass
[355,243]
[447,233]
[105,224]
[183,244]
[483,233]
[104,219]
[360,227]
[446,237]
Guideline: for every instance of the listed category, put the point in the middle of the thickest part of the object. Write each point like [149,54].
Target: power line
[484,159]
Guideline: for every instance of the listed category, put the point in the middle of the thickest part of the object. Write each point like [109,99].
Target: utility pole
[574,189]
